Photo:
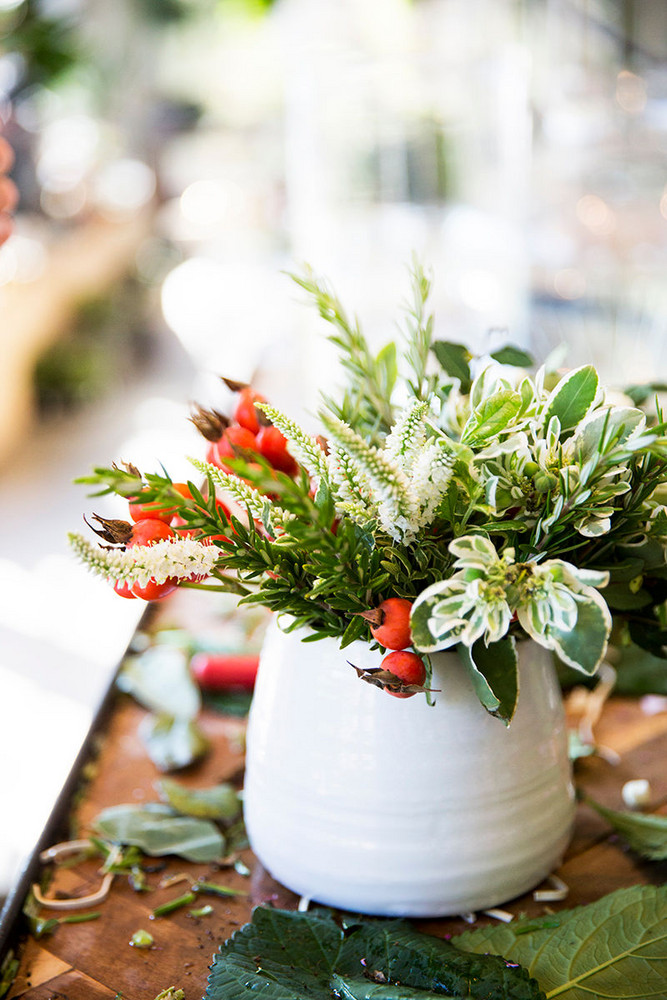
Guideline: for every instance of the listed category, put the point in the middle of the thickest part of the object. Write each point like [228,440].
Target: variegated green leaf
[585,645]
[573,397]
[493,670]
[492,416]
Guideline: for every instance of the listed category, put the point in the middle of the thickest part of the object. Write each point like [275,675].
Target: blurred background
[176,157]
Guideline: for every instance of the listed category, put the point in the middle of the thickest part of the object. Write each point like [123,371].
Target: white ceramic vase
[390,806]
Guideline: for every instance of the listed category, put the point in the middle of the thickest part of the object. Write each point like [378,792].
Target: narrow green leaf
[573,397]
[493,670]
[455,360]
[355,629]
[614,948]
[645,834]
[387,365]
[158,830]
[511,355]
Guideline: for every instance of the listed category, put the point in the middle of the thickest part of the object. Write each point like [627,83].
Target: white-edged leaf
[585,645]
[573,397]
[493,670]
[424,636]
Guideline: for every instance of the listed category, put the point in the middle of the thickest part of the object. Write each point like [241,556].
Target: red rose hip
[407,667]
[393,626]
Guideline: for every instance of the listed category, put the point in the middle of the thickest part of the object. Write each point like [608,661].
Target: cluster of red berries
[150,524]
[249,434]
[390,626]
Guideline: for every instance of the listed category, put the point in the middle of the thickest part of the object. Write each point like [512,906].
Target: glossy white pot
[390,806]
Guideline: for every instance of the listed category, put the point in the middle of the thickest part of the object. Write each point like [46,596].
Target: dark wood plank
[94,960]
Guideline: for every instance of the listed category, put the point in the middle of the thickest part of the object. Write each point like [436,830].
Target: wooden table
[94,960]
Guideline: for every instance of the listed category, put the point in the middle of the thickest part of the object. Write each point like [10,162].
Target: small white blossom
[181,559]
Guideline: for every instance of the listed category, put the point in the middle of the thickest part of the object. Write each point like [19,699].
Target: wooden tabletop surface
[94,960]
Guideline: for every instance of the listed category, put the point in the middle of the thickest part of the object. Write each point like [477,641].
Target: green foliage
[158,829]
[286,955]
[550,491]
[366,401]
[615,947]
[48,45]
[454,359]
[219,802]
[172,743]
[160,680]
[493,670]
[645,833]
[573,397]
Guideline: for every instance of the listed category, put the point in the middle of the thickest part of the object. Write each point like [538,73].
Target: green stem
[174,904]
[227,585]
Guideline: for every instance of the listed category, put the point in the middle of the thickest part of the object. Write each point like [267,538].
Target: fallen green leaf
[613,948]
[161,681]
[172,743]
[219,802]
[646,834]
[157,830]
[286,955]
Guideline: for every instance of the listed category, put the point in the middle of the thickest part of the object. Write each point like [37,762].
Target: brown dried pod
[211,424]
[118,532]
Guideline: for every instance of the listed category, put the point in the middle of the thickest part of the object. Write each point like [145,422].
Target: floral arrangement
[449,501]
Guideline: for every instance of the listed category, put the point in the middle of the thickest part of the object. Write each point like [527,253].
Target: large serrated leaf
[614,948]
[573,397]
[283,955]
[493,670]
